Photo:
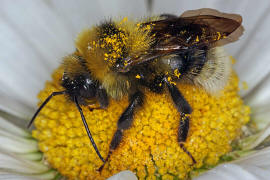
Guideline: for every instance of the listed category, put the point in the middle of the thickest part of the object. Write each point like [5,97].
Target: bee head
[82,86]
[77,80]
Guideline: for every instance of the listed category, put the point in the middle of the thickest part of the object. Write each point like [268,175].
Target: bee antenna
[43,104]
[88,130]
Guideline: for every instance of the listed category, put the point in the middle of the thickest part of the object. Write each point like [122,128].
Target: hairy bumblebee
[125,58]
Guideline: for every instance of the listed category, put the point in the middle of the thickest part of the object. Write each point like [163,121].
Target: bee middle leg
[124,122]
[102,98]
[184,108]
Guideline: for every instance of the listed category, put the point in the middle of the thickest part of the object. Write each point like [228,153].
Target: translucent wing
[192,30]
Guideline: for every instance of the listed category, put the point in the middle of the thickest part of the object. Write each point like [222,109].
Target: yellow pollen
[197,39]
[177,73]
[138,76]
[149,148]
[219,36]
[170,80]
[125,63]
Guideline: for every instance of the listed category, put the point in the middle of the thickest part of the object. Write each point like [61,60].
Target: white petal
[261,117]
[259,97]
[253,59]
[259,100]
[256,139]
[124,175]
[260,159]
[10,176]
[12,143]
[12,163]
[252,167]
[35,35]
[17,167]
[7,126]
[15,176]
[260,173]
[33,156]
[14,105]
[177,7]
[235,172]
[123,8]
[30,44]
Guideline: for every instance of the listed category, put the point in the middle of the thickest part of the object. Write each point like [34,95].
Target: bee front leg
[102,97]
[124,122]
[184,108]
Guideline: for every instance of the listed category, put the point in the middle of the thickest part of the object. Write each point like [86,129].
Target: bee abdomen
[215,72]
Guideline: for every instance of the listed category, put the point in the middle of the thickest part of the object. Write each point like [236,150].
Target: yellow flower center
[149,148]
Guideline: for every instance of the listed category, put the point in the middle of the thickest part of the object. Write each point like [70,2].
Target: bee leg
[184,108]
[102,97]
[93,108]
[182,134]
[124,123]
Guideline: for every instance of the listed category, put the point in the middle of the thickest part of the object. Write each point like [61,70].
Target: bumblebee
[126,58]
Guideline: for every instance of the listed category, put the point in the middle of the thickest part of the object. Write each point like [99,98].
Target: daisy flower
[231,130]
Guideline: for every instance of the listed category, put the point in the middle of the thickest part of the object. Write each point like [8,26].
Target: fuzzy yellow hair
[101,54]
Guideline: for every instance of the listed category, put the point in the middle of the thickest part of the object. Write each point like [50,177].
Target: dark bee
[126,58]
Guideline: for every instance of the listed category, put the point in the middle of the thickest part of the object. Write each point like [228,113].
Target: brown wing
[197,28]
[229,24]
[193,29]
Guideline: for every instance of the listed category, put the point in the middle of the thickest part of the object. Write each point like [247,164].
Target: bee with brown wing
[126,58]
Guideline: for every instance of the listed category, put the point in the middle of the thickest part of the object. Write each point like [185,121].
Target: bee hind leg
[184,108]
[182,134]
[124,122]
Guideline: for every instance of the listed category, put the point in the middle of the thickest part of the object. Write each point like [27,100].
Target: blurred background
[35,35]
